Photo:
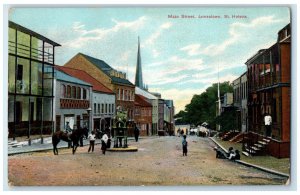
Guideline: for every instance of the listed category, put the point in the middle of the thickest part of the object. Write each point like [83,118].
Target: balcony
[74,104]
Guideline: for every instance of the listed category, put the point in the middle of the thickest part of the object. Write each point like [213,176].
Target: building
[154,102]
[226,102]
[268,75]
[161,109]
[30,83]
[169,110]
[73,98]
[143,115]
[240,93]
[110,78]
[103,99]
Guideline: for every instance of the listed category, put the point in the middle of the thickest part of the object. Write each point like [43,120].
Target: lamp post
[89,112]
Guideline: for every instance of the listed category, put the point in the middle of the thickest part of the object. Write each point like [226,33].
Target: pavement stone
[36,145]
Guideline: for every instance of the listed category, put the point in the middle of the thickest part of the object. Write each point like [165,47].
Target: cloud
[84,36]
[237,32]
[154,36]
[192,49]
[167,71]
[155,53]
[181,97]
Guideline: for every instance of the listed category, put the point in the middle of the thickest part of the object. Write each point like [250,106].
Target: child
[92,141]
[184,145]
[104,143]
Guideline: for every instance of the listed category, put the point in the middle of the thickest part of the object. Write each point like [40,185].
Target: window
[119,94]
[95,108]
[102,109]
[99,108]
[63,91]
[125,95]
[68,91]
[122,94]
[78,93]
[84,94]
[74,92]
[113,108]
[105,108]
[20,72]
[109,108]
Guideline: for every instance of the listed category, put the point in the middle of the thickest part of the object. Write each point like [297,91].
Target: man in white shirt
[268,123]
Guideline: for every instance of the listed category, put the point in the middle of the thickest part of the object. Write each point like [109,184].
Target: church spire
[138,73]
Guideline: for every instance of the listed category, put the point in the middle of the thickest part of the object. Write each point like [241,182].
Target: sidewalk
[36,145]
[251,164]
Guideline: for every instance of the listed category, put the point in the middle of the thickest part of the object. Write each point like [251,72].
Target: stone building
[268,75]
[110,78]
[169,124]
[143,115]
[30,83]
[240,94]
[154,102]
[73,98]
[103,99]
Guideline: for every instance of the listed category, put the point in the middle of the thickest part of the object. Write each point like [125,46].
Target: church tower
[138,73]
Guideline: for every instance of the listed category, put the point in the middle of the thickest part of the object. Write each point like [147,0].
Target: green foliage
[227,120]
[202,108]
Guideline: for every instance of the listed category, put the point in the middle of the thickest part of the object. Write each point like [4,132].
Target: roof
[80,74]
[103,66]
[141,101]
[30,32]
[145,93]
[120,80]
[59,75]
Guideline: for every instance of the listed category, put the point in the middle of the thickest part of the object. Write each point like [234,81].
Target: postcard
[116,96]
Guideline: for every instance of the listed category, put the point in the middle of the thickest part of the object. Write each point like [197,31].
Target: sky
[180,56]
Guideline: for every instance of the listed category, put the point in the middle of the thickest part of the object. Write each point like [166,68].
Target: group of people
[105,142]
[231,154]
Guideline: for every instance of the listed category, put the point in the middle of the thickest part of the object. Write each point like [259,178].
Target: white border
[78,3]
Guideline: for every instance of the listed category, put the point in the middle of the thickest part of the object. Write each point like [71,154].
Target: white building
[154,101]
[103,99]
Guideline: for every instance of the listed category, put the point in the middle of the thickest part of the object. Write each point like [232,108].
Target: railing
[74,104]
[24,50]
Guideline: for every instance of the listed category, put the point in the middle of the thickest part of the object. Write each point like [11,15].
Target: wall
[79,62]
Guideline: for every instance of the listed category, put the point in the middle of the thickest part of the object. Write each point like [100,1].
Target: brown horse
[73,138]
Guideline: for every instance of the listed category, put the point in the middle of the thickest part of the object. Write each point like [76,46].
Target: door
[58,122]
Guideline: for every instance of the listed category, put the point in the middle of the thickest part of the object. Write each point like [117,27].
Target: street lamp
[89,112]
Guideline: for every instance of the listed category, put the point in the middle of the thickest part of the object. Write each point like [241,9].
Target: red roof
[141,101]
[82,75]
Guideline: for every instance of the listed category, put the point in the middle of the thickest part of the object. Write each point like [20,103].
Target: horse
[73,138]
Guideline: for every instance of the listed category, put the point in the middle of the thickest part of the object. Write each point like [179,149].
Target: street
[158,162]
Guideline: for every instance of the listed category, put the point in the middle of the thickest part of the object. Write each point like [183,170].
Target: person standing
[136,133]
[92,138]
[268,123]
[69,132]
[104,140]
[184,146]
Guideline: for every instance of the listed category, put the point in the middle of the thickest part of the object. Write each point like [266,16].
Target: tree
[202,108]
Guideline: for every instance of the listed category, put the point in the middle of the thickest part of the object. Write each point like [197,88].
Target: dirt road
[158,162]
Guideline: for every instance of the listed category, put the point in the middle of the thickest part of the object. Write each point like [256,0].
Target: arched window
[78,93]
[74,92]
[68,91]
[84,94]
[63,91]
